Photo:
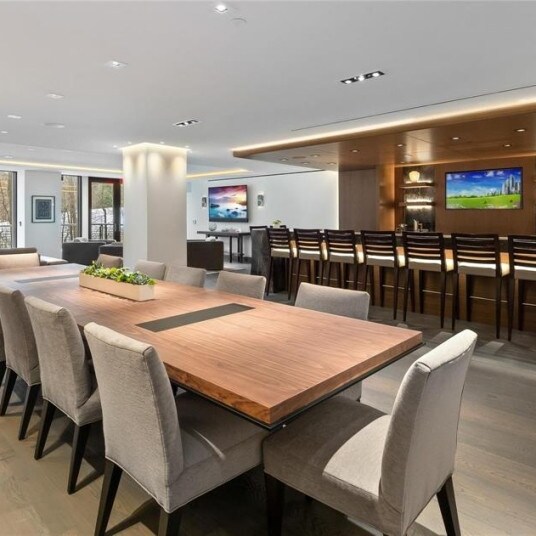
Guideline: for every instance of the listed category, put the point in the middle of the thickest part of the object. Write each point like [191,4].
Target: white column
[154,203]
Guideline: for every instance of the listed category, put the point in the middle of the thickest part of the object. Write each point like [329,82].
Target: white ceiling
[247,83]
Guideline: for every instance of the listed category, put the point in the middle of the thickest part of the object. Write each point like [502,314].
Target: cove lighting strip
[216,173]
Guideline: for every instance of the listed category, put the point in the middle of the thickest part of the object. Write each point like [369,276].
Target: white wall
[46,237]
[308,200]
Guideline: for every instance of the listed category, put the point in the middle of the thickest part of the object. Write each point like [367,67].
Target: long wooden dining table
[266,361]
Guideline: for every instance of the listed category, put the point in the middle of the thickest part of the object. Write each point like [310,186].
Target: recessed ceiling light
[400,145]
[115,64]
[14,116]
[455,138]
[55,96]
[355,150]
[187,123]
[362,77]
[115,146]
[129,143]
[521,129]
[54,125]
[8,156]
[221,8]
[507,145]
[3,131]
[162,143]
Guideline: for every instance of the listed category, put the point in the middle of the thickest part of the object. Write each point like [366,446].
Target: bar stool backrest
[477,249]
[341,242]
[279,238]
[308,240]
[522,251]
[379,244]
[424,247]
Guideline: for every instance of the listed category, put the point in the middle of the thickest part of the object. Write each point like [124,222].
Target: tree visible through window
[70,207]
[7,212]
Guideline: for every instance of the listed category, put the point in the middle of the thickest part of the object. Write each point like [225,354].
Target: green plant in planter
[120,275]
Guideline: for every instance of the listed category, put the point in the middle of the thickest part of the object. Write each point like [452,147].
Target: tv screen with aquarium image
[485,189]
[228,203]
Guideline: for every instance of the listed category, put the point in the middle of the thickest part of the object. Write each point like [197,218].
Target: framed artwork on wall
[43,209]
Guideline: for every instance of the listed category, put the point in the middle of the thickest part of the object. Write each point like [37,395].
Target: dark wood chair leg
[112,477]
[339,277]
[29,404]
[520,302]
[2,370]
[275,499]
[169,524]
[372,285]
[455,298]
[498,296]
[395,292]
[309,272]
[47,414]
[81,433]
[356,276]
[11,378]
[320,272]
[468,294]
[406,294]
[449,512]
[511,300]
[443,277]
[298,270]
[269,275]
[290,265]
[421,291]
[382,285]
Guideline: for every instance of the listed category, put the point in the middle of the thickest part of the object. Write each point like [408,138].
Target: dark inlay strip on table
[49,278]
[184,319]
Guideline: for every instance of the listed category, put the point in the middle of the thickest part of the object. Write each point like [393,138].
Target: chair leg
[81,433]
[443,298]
[382,286]
[275,499]
[468,294]
[298,269]
[421,291]
[339,277]
[455,298]
[372,286]
[269,278]
[320,272]
[520,302]
[169,524]
[2,370]
[406,293]
[356,275]
[449,512]
[510,301]
[112,477]
[498,296]
[395,292]
[11,377]
[309,272]
[29,404]
[47,414]
[290,265]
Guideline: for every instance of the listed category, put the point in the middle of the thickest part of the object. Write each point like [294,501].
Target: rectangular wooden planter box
[123,290]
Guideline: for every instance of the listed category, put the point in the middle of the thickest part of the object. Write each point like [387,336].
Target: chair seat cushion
[217,447]
[487,270]
[283,252]
[525,272]
[430,265]
[346,257]
[333,453]
[387,261]
[313,255]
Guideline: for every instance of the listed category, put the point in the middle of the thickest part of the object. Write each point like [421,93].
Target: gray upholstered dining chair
[244,284]
[176,449]
[2,356]
[21,353]
[336,301]
[67,381]
[186,275]
[109,261]
[153,269]
[380,469]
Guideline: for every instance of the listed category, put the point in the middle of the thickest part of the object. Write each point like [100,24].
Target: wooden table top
[266,363]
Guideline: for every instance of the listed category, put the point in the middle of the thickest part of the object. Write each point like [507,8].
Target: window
[105,209]
[8,223]
[70,207]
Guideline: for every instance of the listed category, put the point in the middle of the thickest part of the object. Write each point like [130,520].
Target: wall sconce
[414,176]
[260,200]
[204,202]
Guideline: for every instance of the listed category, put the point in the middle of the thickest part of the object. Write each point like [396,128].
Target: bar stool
[480,256]
[341,249]
[309,249]
[379,249]
[281,247]
[425,252]
[522,257]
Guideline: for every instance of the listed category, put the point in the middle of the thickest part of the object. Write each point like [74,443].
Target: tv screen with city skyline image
[484,189]
[228,203]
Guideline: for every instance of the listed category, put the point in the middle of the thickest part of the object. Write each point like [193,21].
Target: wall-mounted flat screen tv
[485,189]
[228,203]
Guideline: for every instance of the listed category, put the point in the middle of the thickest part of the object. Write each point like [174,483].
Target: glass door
[105,209]
[8,227]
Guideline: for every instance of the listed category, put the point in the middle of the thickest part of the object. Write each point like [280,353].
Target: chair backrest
[156,270]
[19,341]
[476,249]
[140,422]
[252,227]
[337,301]
[186,275]
[379,244]
[421,442]
[342,242]
[308,240]
[243,284]
[65,375]
[522,251]
[19,260]
[279,238]
[109,261]
[424,247]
